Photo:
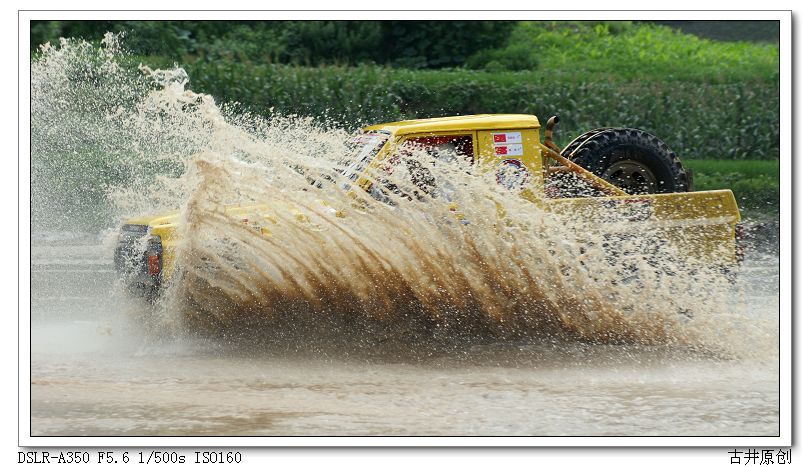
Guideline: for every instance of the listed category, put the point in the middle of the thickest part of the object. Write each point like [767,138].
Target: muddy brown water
[96,371]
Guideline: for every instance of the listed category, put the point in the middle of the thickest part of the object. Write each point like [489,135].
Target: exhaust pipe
[549,132]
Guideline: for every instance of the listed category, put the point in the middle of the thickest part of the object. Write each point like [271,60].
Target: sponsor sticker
[513,137]
[509,150]
[508,144]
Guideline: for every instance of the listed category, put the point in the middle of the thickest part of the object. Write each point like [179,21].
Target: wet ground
[95,371]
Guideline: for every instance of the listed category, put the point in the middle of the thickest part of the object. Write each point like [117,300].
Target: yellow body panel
[462,123]
[530,155]
[700,223]
[168,239]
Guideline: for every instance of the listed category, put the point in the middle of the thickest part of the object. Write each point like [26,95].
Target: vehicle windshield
[364,147]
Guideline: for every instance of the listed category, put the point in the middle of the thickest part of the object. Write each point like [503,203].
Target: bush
[723,121]
[414,44]
[621,50]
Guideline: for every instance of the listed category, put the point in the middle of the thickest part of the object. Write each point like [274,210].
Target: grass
[622,50]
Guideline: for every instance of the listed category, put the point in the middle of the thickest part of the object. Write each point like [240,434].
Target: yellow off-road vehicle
[627,172]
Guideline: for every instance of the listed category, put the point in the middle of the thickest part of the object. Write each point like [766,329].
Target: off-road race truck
[626,171]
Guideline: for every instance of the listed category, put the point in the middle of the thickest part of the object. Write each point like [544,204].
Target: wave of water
[112,140]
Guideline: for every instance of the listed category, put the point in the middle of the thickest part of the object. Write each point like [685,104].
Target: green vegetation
[583,51]
[621,50]
[412,44]
[728,121]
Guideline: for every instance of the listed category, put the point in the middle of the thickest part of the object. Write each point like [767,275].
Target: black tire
[633,160]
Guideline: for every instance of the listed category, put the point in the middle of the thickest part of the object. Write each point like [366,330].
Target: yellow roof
[460,123]
[155,220]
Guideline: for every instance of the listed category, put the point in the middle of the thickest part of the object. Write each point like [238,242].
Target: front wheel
[633,160]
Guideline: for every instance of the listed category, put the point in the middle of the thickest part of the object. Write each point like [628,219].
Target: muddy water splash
[495,267]
[414,270]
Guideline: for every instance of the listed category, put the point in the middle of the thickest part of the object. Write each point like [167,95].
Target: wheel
[633,160]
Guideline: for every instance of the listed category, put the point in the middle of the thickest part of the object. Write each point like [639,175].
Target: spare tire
[633,160]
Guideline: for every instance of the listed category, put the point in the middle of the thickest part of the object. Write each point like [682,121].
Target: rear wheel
[633,160]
